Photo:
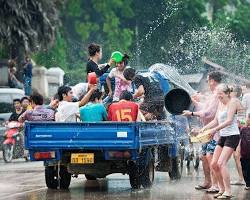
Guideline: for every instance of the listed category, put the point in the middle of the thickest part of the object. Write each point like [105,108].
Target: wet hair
[216,76]
[36,98]
[93,49]
[125,59]
[16,100]
[224,88]
[97,94]
[129,73]
[126,95]
[237,89]
[22,99]
[63,90]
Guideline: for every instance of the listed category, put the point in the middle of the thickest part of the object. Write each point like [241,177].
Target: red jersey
[123,111]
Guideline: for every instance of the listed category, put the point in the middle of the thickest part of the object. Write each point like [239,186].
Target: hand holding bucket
[92,78]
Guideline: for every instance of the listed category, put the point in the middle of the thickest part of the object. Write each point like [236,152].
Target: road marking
[22,193]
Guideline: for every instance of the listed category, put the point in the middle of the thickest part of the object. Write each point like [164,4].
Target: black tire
[51,177]
[196,163]
[134,176]
[65,178]
[181,158]
[90,177]
[148,175]
[8,152]
[175,172]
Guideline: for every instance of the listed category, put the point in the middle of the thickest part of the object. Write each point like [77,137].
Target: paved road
[25,180]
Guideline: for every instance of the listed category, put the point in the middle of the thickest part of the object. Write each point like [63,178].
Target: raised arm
[86,97]
[108,81]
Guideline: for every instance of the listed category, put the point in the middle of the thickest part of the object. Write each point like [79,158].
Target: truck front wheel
[176,170]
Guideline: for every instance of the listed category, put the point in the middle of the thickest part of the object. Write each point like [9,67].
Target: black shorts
[231,141]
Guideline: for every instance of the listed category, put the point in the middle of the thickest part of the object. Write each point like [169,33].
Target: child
[245,153]
[121,84]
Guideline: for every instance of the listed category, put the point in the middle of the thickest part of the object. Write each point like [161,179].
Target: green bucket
[117,56]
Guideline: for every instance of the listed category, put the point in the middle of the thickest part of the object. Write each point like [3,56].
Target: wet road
[25,180]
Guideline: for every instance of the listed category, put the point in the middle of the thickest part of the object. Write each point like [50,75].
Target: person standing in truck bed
[95,55]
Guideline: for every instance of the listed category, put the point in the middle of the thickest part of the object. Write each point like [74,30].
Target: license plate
[82,158]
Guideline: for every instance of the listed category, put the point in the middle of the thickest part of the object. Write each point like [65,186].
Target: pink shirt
[120,85]
[208,110]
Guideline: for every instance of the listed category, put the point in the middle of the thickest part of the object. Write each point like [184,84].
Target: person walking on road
[27,76]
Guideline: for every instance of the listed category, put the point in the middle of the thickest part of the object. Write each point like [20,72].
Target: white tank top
[232,129]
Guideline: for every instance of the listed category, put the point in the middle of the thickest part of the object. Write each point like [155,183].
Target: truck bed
[97,136]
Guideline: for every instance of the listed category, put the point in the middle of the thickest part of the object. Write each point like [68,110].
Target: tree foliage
[28,24]
[149,31]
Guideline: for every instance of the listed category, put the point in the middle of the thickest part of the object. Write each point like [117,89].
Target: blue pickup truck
[100,149]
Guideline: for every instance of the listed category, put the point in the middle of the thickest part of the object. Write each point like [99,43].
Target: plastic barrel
[177,100]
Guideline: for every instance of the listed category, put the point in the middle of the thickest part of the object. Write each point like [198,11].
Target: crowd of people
[225,114]
[220,112]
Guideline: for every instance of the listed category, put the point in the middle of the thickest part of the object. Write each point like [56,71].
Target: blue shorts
[208,147]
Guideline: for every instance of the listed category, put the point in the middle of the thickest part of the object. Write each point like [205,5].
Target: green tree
[54,56]
[99,21]
[236,15]
[161,24]
[27,25]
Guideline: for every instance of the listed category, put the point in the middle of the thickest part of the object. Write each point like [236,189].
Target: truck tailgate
[54,135]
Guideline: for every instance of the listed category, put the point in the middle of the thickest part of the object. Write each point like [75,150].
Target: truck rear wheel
[148,175]
[51,177]
[52,180]
[134,176]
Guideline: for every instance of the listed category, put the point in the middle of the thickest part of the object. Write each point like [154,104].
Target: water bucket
[177,100]
[92,78]
[117,56]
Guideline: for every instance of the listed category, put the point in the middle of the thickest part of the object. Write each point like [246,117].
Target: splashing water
[170,10]
[217,44]
[172,75]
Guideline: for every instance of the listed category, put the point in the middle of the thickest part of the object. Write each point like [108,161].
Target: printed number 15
[124,115]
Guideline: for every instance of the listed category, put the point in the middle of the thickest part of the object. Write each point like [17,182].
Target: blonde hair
[224,88]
